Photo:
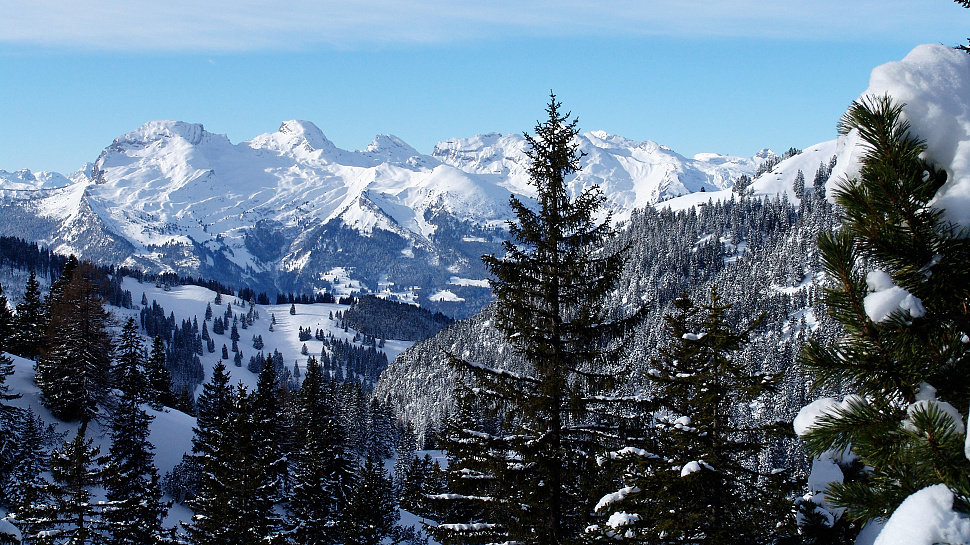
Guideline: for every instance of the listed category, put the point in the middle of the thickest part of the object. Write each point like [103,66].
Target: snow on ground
[445,295]
[189,302]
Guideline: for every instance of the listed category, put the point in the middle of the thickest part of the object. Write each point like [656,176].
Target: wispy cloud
[234,25]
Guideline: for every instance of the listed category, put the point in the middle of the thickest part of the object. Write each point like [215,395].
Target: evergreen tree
[371,513]
[27,487]
[71,516]
[6,322]
[29,324]
[271,431]
[128,371]
[550,288]
[909,364]
[324,468]
[235,502]
[694,478]
[158,376]
[131,482]
[798,186]
[74,373]
[9,415]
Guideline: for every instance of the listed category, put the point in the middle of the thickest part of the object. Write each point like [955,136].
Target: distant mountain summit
[290,211]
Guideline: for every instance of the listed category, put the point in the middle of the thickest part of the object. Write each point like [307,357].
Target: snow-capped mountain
[289,210]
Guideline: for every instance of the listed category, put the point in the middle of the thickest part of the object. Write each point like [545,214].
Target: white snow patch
[886,298]
[457,281]
[925,518]
[445,295]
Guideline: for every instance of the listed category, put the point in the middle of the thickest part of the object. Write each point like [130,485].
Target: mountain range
[289,211]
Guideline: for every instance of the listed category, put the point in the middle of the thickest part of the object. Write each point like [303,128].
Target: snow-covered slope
[280,211]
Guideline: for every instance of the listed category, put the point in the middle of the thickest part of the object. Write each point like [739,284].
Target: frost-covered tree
[899,283]
[71,515]
[692,476]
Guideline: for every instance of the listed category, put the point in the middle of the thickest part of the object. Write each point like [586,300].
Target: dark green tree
[323,471]
[131,480]
[30,322]
[910,367]
[27,486]
[551,286]
[158,376]
[235,501]
[271,430]
[695,478]
[71,516]
[371,514]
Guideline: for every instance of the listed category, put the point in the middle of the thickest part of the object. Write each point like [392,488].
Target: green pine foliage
[371,513]
[911,367]
[131,480]
[30,322]
[235,500]
[693,477]
[27,486]
[324,467]
[71,515]
[550,286]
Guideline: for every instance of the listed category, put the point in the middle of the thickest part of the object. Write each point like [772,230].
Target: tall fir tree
[9,415]
[551,286]
[74,373]
[158,376]
[235,500]
[72,514]
[271,434]
[694,478]
[30,322]
[27,486]
[323,470]
[131,479]
[371,514]
[909,367]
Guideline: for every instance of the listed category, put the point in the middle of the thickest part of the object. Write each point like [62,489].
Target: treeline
[385,319]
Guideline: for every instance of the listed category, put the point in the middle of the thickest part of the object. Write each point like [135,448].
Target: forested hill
[760,253]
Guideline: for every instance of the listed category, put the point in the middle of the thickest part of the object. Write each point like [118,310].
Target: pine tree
[9,415]
[910,367]
[131,480]
[693,479]
[371,513]
[71,516]
[74,373]
[158,376]
[27,486]
[271,433]
[798,186]
[235,503]
[550,287]
[30,323]
[324,468]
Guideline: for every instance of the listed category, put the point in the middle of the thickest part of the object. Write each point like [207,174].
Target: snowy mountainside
[759,252]
[283,210]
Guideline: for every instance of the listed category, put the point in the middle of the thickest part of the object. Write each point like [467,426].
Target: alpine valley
[290,212]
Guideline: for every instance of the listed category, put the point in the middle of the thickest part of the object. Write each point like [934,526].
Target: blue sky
[697,76]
